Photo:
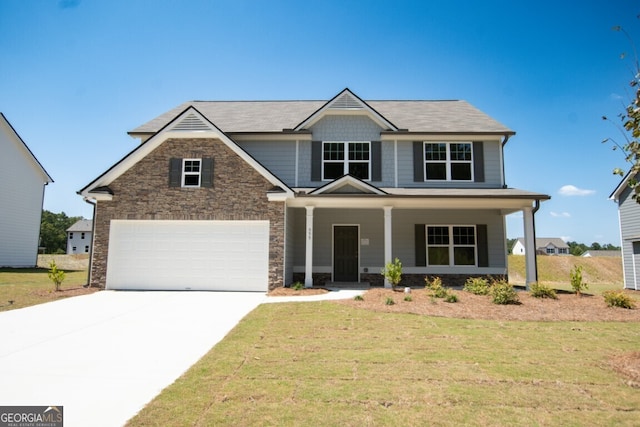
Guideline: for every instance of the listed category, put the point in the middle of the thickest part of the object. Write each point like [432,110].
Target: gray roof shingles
[274,116]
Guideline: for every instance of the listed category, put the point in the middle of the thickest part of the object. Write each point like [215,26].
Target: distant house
[544,246]
[79,237]
[629,217]
[592,253]
[22,184]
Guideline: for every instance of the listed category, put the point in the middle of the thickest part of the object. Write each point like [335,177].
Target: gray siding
[371,222]
[629,212]
[492,168]
[278,157]
[346,128]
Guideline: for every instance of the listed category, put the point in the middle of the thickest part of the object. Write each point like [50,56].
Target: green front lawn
[22,287]
[313,364]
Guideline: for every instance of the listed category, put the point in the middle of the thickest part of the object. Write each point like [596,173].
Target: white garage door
[189,255]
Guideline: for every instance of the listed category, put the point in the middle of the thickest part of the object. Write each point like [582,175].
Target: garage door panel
[196,255]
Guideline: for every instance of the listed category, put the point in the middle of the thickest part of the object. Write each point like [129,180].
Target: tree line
[53,231]
[576,248]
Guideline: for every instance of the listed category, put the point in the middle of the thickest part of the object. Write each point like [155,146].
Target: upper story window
[448,161]
[341,158]
[191,169]
[70,235]
[451,245]
[82,235]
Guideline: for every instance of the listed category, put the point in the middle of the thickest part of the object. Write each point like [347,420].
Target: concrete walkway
[103,356]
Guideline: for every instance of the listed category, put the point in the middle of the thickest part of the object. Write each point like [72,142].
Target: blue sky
[76,75]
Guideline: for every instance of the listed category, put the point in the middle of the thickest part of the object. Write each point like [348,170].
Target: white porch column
[308,261]
[387,240]
[529,246]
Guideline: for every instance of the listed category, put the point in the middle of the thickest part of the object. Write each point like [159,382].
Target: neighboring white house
[602,253]
[22,184]
[544,246]
[79,237]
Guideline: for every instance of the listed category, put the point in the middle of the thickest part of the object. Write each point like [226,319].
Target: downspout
[93,240]
[533,220]
[504,178]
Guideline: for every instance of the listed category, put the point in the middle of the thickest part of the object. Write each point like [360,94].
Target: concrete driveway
[104,356]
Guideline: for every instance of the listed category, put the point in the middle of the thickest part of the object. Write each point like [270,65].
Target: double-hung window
[191,169]
[341,158]
[451,245]
[448,161]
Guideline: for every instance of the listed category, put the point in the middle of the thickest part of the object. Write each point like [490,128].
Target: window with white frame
[191,169]
[448,161]
[341,158]
[451,245]
[551,250]
[563,251]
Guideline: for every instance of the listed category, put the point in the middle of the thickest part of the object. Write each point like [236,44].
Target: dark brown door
[345,253]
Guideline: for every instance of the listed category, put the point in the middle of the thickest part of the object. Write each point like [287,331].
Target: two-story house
[22,185]
[253,195]
[79,237]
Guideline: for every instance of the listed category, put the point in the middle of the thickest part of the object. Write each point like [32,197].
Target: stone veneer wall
[142,193]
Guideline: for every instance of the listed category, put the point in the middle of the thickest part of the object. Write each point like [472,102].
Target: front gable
[348,185]
[346,103]
[189,125]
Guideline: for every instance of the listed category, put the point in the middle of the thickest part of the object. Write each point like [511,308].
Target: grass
[600,273]
[328,364]
[31,286]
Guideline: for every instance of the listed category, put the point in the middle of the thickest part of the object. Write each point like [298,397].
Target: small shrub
[56,276]
[436,287]
[477,286]
[502,292]
[393,272]
[358,298]
[389,301]
[538,290]
[297,286]
[577,284]
[618,299]
[451,298]
[408,298]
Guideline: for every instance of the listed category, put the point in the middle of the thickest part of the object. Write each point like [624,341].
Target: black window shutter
[316,160]
[206,179]
[376,161]
[421,246]
[175,172]
[482,240]
[418,161]
[478,161]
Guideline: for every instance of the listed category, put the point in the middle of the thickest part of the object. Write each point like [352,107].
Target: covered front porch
[350,237]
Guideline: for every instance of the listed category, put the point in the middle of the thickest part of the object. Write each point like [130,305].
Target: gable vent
[191,122]
[346,101]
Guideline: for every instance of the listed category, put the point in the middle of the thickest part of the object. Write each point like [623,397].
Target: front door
[345,253]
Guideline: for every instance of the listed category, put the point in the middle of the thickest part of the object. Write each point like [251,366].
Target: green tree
[510,243]
[596,246]
[629,125]
[53,231]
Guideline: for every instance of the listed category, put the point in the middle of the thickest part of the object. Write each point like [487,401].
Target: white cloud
[560,215]
[566,238]
[572,190]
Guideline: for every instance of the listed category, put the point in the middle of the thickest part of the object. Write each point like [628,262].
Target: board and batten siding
[629,212]
[22,185]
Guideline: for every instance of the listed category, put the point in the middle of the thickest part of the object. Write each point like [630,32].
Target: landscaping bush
[408,298]
[389,301]
[56,276]
[615,298]
[437,290]
[297,286]
[538,290]
[502,292]
[577,284]
[358,298]
[477,286]
[393,272]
